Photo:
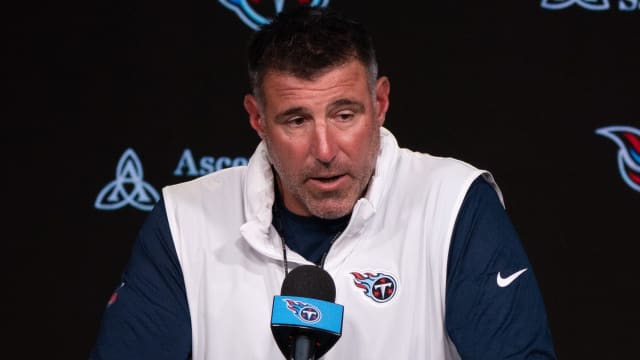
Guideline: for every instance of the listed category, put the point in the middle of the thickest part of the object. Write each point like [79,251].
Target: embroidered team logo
[303,311]
[379,287]
[628,140]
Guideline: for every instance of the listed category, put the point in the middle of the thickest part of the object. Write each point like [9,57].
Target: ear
[382,98]
[255,119]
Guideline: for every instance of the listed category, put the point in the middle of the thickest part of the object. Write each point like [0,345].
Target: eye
[345,116]
[296,121]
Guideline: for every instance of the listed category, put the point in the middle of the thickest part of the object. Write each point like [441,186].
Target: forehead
[347,80]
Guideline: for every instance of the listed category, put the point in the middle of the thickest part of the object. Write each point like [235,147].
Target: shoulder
[423,170]
[224,180]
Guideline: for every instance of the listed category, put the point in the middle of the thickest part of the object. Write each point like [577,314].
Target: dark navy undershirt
[150,317]
[309,236]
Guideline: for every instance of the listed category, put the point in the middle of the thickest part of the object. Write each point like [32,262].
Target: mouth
[327,179]
[328,183]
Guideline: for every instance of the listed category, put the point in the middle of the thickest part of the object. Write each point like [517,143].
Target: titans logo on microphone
[305,312]
[379,287]
[628,140]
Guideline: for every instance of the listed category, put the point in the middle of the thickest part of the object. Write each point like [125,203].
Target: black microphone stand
[303,349]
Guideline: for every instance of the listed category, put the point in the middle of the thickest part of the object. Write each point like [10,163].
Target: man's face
[322,136]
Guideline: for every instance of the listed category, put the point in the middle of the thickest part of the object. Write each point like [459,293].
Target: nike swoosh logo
[504,282]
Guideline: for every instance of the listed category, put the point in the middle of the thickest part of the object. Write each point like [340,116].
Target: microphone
[305,320]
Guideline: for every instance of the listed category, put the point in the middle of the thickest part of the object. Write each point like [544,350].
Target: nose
[323,144]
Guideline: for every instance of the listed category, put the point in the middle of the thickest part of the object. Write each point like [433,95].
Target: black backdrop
[509,86]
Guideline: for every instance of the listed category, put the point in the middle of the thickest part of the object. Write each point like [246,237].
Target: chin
[332,211]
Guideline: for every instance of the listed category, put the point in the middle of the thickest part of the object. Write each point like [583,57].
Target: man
[328,185]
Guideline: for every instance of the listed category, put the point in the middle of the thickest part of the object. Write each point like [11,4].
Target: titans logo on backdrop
[628,140]
[256,13]
[593,5]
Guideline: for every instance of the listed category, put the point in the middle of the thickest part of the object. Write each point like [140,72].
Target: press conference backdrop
[110,101]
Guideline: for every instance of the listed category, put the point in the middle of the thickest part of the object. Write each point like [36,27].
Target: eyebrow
[359,106]
[301,110]
[292,111]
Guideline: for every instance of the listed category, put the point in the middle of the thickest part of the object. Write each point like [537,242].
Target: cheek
[359,145]
[294,152]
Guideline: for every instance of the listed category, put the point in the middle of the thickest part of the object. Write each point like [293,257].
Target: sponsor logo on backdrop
[628,140]
[188,166]
[594,5]
[130,189]
[255,13]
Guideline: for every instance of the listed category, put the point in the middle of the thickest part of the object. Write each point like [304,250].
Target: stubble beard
[333,204]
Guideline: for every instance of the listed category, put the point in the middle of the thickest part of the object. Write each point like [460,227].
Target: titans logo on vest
[378,287]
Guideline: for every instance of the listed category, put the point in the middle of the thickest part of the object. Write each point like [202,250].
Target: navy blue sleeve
[147,316]
[494,308]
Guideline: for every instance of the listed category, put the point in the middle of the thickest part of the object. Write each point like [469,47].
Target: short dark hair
[307,40]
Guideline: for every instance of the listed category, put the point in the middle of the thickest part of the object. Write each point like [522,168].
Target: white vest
[232,259]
